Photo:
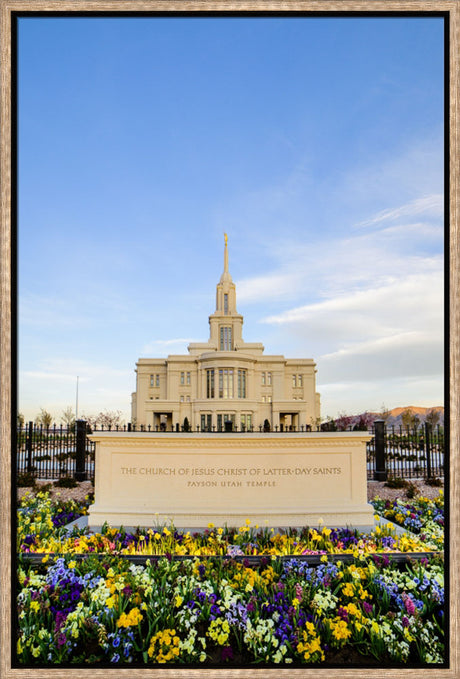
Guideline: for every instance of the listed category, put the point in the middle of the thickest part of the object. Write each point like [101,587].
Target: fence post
[29,438]
[428,449]
[80,439]
[380,472]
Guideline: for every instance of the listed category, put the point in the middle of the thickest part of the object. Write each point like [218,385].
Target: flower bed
[363,606]
[421,516]
[37,532]
[223,612]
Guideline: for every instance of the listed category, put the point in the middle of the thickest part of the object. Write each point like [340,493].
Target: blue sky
[315,143]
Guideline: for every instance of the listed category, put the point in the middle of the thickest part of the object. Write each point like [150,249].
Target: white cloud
[409,354]
[433,205]
[355,396]
[53,385]
[370,304]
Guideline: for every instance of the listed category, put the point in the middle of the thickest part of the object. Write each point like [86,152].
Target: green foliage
[44,418]
[396,482]
[434,482]
[66,482]
[411,490]
[25,480]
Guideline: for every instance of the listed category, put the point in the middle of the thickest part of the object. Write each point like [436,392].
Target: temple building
[225,380]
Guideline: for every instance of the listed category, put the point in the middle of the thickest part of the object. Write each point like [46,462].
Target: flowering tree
[344,421]
[107,419]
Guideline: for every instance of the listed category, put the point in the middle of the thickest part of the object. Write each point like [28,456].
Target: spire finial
[225,255]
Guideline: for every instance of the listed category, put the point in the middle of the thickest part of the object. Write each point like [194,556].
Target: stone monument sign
[191,480]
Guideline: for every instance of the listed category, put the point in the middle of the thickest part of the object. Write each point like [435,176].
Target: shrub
[25,480]
[42,458]
[411,490]
[434,482]
[396,482]
[66,482]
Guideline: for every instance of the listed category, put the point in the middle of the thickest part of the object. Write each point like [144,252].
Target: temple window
[241,383]
[210,384]
[225,338]
[226,383]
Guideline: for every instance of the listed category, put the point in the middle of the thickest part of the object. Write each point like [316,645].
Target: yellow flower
[353,609]
[72,564]
[340,630]
[134,617]
[408,635]
[110,602]
[348,589]
[178,601]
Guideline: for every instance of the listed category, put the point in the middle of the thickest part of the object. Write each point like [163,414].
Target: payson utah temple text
[225,380]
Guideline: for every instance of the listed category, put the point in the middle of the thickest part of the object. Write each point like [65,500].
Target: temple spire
[226,274]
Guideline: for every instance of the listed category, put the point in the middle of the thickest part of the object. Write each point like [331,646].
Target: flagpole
[76,403]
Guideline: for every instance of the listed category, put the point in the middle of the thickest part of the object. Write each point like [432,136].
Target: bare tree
[44,418]
[68,417]
[91,420]
[110,419]
[409,419]
[433,416]
[384,413]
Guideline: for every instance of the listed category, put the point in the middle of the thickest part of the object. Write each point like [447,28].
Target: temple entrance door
[162,421]
[222,418]
[289,421]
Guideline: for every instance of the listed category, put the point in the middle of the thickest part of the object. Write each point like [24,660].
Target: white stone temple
[226,380]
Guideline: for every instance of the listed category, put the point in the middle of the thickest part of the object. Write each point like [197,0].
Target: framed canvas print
[229,338]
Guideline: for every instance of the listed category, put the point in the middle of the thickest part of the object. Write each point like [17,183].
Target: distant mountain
[417,410]
[394,418]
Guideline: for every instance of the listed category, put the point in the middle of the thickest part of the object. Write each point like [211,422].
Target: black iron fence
[400,452]
[393,452]
[55,452]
